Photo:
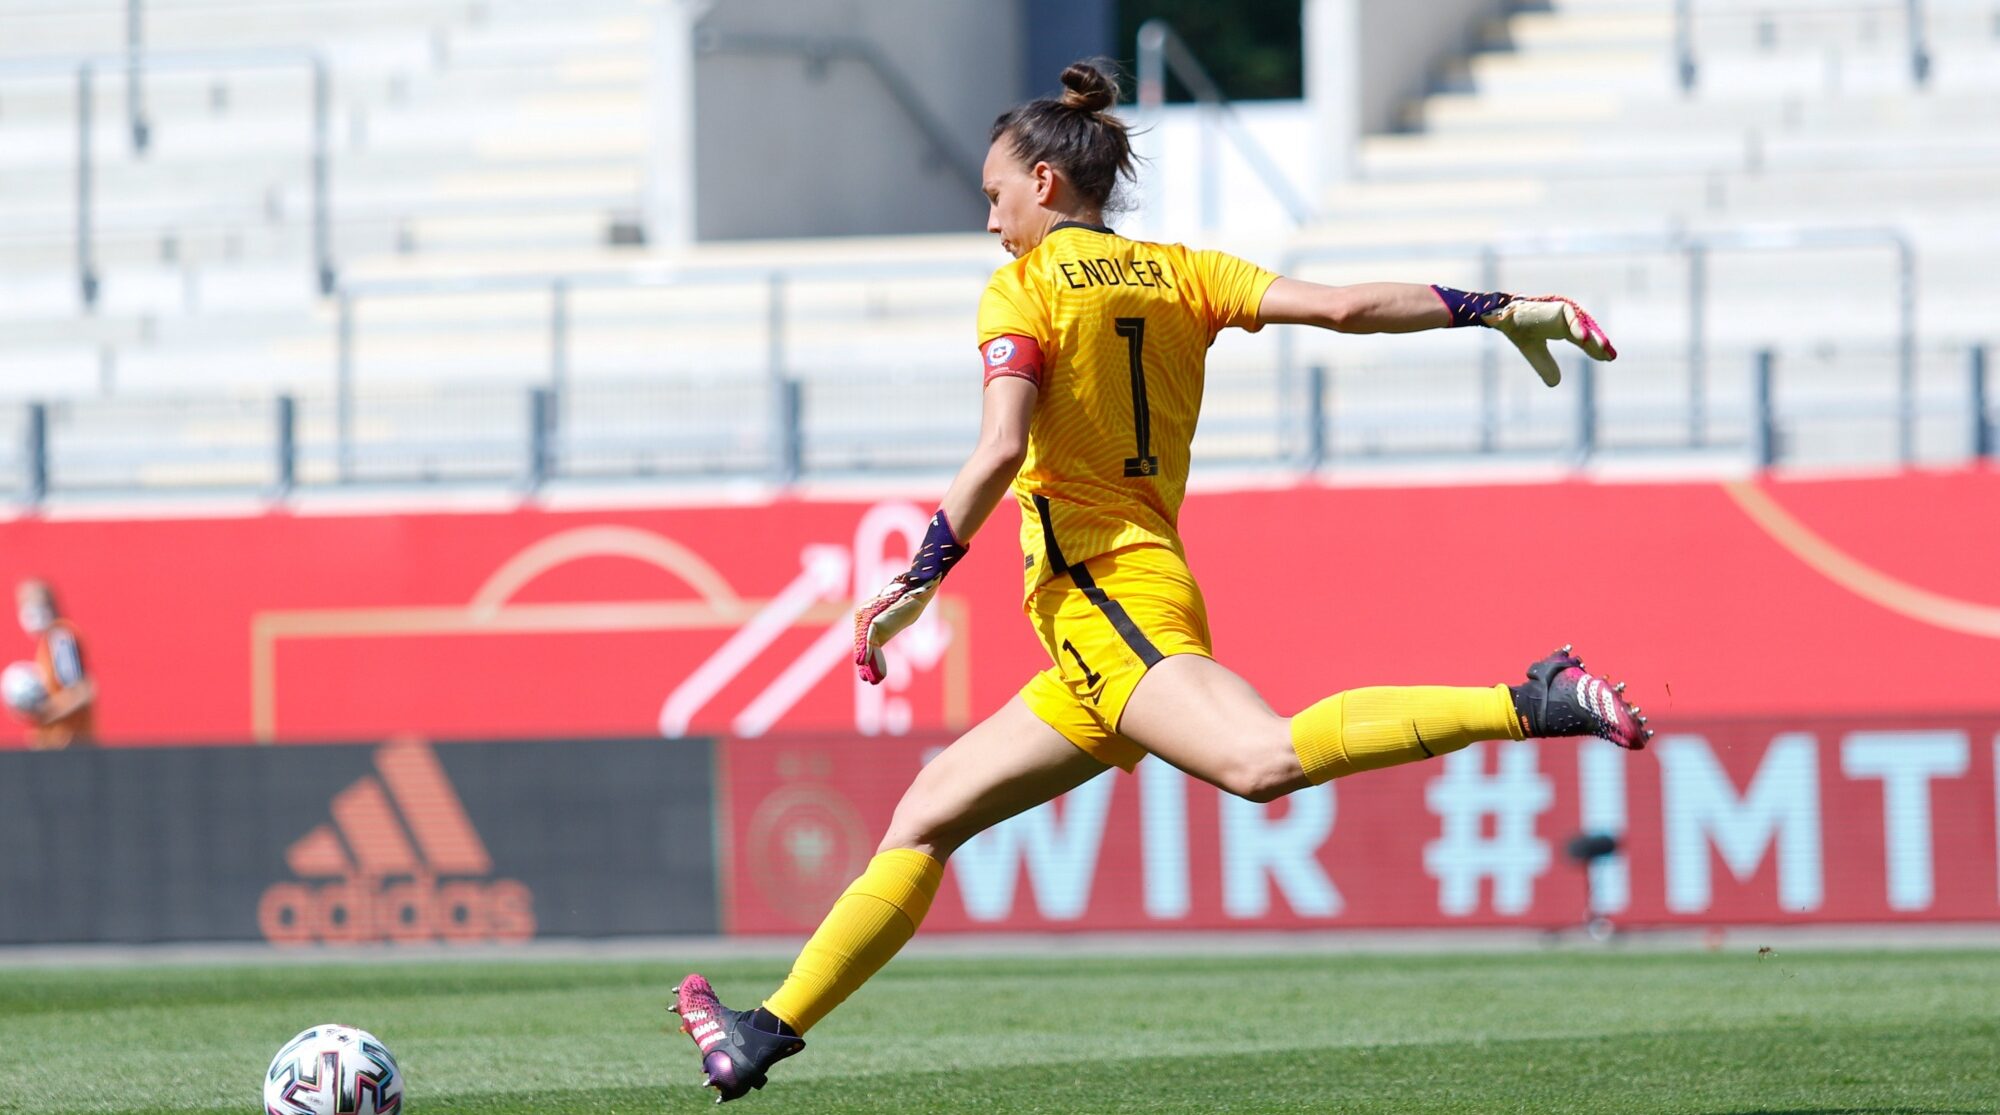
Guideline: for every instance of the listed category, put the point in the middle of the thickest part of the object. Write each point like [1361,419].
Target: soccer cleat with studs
[1561,699]
[735,1052]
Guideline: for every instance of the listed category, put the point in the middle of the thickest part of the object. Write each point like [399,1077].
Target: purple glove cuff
[1467,307]
[938,553]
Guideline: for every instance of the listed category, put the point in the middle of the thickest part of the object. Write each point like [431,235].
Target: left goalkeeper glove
[1531,323]
[900,602]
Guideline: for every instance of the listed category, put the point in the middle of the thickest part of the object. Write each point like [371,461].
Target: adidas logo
[399,862]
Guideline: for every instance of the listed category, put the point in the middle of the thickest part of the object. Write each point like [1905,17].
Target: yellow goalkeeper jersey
[1124,328]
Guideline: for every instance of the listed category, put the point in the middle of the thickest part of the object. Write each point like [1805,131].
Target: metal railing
[1687,54]
[1163,51]
[1697,248]
[777,426]
[776,282]
[693,429]
[137,64]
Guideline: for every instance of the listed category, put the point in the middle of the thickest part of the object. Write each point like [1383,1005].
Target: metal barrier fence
[1697,249]
[136,65]
[1689,16]
[1776,411]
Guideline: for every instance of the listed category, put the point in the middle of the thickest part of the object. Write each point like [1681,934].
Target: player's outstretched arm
[1006,412]
[1531,323]
[1361,308]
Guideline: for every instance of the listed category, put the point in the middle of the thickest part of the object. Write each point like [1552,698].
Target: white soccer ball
[333,1070]
[21,687]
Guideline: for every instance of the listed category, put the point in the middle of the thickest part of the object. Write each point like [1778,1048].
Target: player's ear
[1045,182]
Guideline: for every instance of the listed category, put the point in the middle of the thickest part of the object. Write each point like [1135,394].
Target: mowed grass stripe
[1579,1031]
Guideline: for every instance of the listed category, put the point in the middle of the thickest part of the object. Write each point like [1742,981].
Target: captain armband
[1012,355]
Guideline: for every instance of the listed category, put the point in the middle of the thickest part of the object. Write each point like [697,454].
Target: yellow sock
[1383,725]
[873,918]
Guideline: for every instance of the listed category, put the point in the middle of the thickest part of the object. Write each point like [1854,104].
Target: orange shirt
[59,658]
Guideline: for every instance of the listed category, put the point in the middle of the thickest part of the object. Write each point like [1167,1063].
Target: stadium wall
[1790,820]
[1806,597]
[795,137]
[1795,820]
[1818,657]
[351,845]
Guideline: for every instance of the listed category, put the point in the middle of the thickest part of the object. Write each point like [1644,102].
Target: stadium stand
[1573,121]
[478,152]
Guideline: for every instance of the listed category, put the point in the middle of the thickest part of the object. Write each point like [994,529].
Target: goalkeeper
[1093,349]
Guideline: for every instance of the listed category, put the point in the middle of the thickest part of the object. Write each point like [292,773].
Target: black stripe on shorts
[1115,612]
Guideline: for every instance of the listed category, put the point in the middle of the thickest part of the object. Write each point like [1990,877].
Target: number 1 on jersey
[1133,329]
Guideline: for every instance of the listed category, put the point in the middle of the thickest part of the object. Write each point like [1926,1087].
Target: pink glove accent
[869,661]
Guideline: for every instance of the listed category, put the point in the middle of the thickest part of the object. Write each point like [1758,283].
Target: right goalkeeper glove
[903,599]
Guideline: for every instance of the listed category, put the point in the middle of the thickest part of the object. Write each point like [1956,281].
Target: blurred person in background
[66,713]
[1094,352]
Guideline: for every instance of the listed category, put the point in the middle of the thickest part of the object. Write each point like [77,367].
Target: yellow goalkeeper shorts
[1104,623]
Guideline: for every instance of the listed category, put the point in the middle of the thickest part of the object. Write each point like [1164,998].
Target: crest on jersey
[1000,351]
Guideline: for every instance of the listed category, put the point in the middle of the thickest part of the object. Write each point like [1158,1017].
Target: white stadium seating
[481,139]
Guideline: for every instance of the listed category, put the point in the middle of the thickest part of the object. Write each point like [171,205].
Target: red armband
[1013,355]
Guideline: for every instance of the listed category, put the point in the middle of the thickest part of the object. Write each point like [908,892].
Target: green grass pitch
[1563,1030]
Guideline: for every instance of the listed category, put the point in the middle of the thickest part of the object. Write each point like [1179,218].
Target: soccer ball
[21,687]
[333,1070]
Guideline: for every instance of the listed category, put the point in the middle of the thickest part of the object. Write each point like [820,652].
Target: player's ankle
[764,1020]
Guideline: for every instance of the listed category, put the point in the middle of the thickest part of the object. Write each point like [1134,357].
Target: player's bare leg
[1200,716]
[1008,763]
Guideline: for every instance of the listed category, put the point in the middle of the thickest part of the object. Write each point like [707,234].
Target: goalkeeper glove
[1531,323]
[900,603]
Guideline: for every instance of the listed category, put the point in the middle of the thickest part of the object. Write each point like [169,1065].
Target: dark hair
[1076,133]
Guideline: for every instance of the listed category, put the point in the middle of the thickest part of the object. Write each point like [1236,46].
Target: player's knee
[919,827]
[1259,783]
[1265,771]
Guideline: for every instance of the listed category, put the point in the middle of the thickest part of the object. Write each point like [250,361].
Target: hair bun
[1088,87]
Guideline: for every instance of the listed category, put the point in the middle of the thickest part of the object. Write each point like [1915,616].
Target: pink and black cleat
[737,1047]
[1560,699]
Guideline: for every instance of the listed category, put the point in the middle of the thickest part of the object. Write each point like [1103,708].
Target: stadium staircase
[1572,123]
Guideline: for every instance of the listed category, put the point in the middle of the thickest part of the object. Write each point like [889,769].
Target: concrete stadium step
[1654,73]
[1400,157]
[1582,209]
[566,238]
[194,161]
[354,194]
[1444,116]
[87,27]
[380,80]
[1549,31]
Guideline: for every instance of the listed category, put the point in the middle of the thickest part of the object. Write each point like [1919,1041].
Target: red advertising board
[1861,596]
[1810,819]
